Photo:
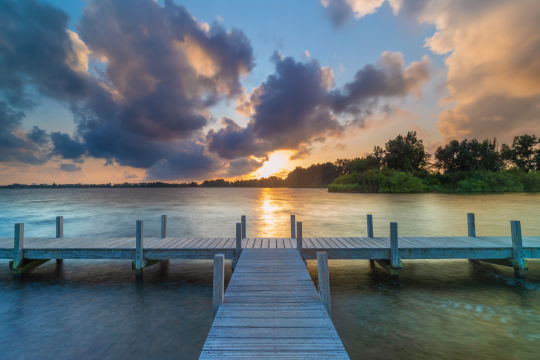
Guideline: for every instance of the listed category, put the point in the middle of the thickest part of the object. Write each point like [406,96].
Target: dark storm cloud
[15,145]
[295,106]
[289,109]
[35,46]
[387,78]
[69,167]
[162,71]
[166,67]
[67,147]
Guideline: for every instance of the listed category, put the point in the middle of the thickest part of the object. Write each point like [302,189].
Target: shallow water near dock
[97,310]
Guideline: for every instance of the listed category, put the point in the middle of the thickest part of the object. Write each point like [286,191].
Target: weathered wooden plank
[272,310]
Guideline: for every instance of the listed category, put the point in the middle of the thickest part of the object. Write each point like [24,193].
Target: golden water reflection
[271,211]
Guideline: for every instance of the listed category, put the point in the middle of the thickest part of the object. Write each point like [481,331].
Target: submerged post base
[138,268]
[26,265]
[393,271]
[520,267]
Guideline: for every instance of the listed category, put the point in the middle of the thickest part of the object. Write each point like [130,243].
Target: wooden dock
[271,310]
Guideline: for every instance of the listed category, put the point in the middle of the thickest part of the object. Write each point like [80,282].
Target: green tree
[405,153]
[469,156]
[523,153]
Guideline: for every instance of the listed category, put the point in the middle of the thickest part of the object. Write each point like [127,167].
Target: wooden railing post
[59,226]
[299,236]
[238,244]
[244,231]
[163,226]
[395,262]
[471,226]
[324,280]
[369,219]
[139,256]
[293,227]
[520,265]
[218,282]
[18,248]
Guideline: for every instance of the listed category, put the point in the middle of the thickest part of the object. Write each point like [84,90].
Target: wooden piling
[324,280]
[218,282]
[299,236]
[471,226]
[520,265]
[139,256]
[238,244]
[59,226]
[243,221]
[395,262]
[369,220]
[18,248]
[163,226]
[293,227]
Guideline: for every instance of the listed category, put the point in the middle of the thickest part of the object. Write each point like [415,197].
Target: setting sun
[277,163]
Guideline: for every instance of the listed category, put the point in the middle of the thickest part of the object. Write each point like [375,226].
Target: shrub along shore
[403,166]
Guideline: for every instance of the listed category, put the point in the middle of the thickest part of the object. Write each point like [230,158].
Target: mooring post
[299,236]
[59,233]
[238,244]
[520,265]
[219,282]
[59,226]
[163,226]
[395,263]
[139,256]
[324,280]
[243,221]
[471,226]
[293,227]
[18,248]
[369,219]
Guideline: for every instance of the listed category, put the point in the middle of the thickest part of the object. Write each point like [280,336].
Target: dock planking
[375,248]
[271,310]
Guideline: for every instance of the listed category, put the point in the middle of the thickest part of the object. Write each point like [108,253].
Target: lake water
[96,309]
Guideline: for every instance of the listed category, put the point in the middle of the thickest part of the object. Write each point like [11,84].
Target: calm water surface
[96,309]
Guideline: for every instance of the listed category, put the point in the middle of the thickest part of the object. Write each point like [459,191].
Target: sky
[142,90]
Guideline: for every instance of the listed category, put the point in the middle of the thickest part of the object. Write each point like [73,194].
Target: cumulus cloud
[147,109]
[492,51]
[296,106]
[340,11]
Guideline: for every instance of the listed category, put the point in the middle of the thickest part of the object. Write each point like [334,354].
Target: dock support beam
[293,227]
[394,264]
[244,230]
[163,226]
[369,219]
[238,251]
[324,280]
[19,264]
[218,282]
[520,265]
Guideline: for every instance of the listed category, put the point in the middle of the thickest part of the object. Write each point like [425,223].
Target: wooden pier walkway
[271,310]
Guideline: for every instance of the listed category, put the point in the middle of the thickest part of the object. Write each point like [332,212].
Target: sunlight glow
[277,164]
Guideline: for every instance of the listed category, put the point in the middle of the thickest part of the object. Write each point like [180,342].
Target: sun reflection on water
[270,214]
